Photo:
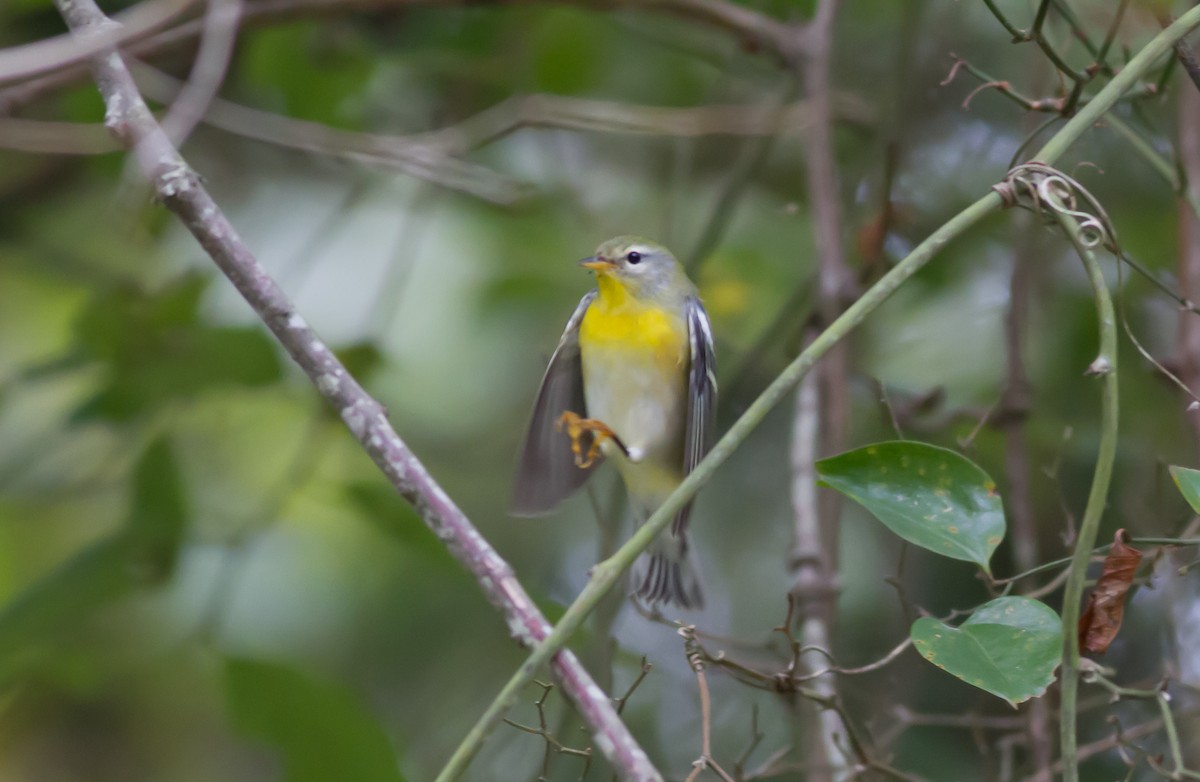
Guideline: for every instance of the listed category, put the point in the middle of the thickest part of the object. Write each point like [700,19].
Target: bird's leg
[575,427]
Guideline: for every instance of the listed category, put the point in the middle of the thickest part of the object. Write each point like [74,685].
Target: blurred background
[203,577]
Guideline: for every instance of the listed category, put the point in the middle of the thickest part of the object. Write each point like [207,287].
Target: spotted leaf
[932,497]
[1009,647]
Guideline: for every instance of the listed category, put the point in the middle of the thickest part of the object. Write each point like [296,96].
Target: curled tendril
[1049,192]
[1044,189]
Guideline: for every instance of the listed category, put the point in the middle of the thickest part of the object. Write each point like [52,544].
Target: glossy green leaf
[321,730]
[1188,481]
[930,496]
[1009,647]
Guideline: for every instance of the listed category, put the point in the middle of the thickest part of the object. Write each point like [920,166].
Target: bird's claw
[575,428]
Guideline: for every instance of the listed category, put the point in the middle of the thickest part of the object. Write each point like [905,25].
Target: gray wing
[702,397]
[547,473]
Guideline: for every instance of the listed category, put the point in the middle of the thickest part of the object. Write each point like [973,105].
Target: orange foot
[576,427]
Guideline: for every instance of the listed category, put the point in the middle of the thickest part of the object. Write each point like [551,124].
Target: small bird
[634,380]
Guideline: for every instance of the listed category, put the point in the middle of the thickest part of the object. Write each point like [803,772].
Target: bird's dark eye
[634,257]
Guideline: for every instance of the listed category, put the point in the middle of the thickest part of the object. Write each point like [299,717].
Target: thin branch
[181,191]
[52,54]
[756,737]
[395,152]
[601,116]
[643,671]
[696,663]
[756,31]
[433,155]
[1111,35]
[208,70]
[750,158]
[1006,89]
[552,743]
[1183,53]
[1091,750]
[836,286]
[812,588]
[55,138]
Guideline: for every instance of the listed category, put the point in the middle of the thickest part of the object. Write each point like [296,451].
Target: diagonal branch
[181,191]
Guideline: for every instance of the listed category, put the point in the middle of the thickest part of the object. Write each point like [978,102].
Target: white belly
[638,398]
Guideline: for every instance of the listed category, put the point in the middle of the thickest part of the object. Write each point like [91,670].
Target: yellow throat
[619,320]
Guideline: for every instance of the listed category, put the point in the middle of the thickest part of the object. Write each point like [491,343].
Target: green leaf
[142,552]
[930,496]
[567,54]
[310,70]
[157,349]
[1009,647]
[383,508]
[321,730]
[35,621]
[158,517]
[1188,481]
[361,359]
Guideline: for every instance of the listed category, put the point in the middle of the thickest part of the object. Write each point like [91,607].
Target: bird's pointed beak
[597,264]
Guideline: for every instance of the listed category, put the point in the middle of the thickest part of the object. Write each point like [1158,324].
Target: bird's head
[640,267]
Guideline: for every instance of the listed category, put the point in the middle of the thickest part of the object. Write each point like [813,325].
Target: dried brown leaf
[1106,607]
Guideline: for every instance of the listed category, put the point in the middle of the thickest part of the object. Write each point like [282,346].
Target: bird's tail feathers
[669,576]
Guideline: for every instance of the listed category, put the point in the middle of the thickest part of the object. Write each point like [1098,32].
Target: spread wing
[547,473]
[702,397]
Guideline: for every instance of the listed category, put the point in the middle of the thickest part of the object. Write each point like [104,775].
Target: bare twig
[433,155]
[696,662]
[757,32]
[181,191]
[642,673]
[756,737]
[1100,746]
[750,158]
[208,70]
[1183,53]
[56,138]
[553,746]
[395,152]
[31,59]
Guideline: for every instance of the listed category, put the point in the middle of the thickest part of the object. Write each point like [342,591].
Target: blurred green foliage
[202,577]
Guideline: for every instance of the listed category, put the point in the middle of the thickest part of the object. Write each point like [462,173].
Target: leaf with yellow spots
[1009,647]
[932,497]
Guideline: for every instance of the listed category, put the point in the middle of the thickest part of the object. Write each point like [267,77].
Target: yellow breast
[618,321]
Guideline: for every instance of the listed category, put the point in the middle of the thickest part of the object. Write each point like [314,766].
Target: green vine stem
[1105,366]
[607,573]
